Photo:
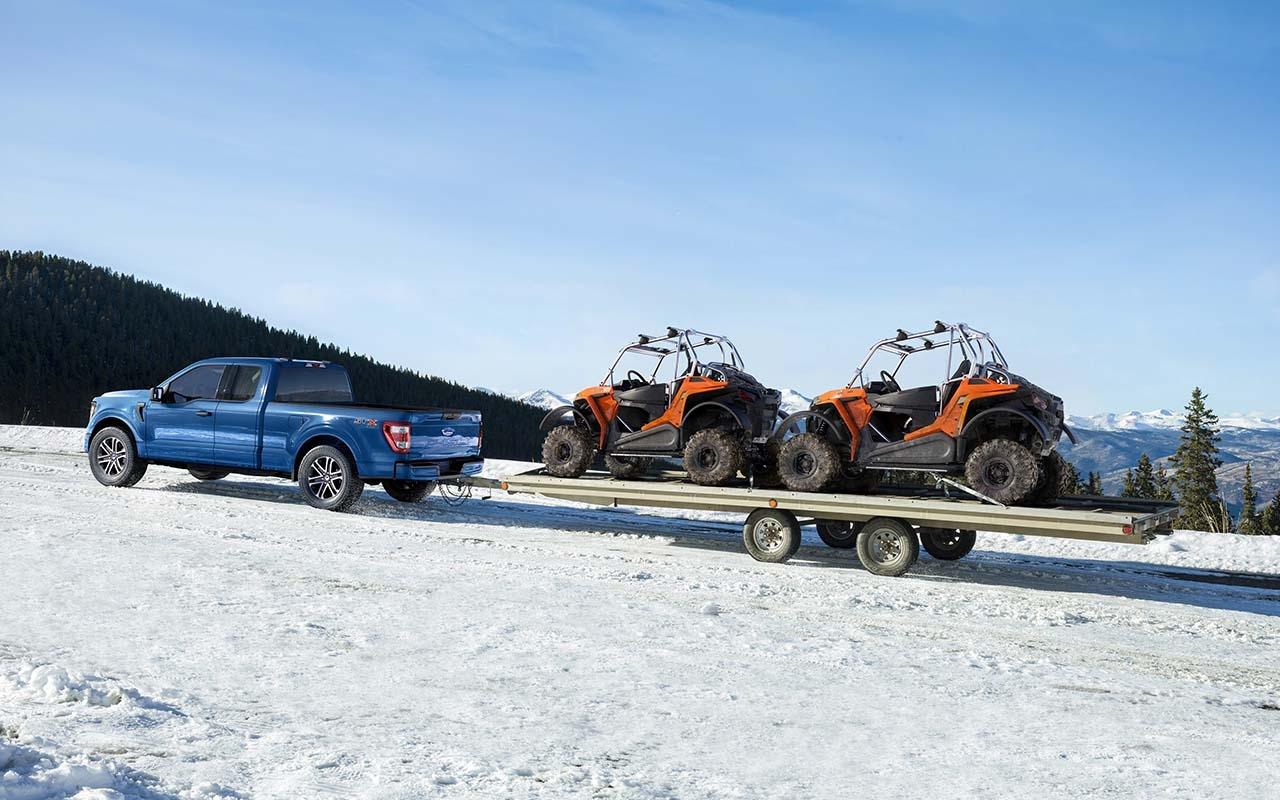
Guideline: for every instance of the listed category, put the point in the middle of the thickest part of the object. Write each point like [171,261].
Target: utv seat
[920,405]
[949,388]
[646,403]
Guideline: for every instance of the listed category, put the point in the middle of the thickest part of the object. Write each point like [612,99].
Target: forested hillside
[69,331]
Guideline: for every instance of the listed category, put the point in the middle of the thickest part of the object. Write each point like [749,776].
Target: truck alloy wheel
[113,459]
[328,479]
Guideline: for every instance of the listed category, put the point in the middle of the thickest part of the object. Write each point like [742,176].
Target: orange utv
[981,420]
[681,395]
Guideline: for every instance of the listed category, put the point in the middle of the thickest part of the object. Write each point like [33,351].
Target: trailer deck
[918,510]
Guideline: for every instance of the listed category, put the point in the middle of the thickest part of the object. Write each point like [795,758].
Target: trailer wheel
[840,534]
[887,547]
[771,535]
[947,545]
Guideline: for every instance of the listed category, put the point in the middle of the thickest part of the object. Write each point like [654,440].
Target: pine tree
[1194,463]
[1248,505]
[1164,486]
[1095,484]
[1129,488]
[1269,522]
[1071,479]
[1144,479]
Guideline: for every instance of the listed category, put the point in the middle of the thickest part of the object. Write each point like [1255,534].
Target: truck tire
[627,468]
[567,451]
[947,545]
[839,534]
[1003,470]
[713,456]
[887,547]
[771,535]
[808,463]
[207,474]
[1049,487]
[328,479]
[113,458]
[408,491]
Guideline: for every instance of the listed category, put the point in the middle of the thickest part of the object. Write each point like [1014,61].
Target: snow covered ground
[223,640]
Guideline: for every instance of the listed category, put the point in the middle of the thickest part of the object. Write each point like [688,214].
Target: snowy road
[220,640]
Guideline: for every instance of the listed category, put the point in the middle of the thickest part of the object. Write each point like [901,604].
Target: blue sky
[502,193]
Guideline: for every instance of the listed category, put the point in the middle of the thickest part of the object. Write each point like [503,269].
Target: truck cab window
[299,384]
[200,383]
[244,384]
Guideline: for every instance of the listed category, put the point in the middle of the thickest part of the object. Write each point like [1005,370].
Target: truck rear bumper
[436,470]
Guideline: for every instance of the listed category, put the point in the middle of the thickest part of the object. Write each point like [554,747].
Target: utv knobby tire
[771,535]
[713,456]
[887,547]
[1053,468]
[839,534]
[945,544]
[627,468]
[808,463]
[408,491]
[207,474]
[1003,470]
[113,458]
[764,474]
[328,479]
[567,451]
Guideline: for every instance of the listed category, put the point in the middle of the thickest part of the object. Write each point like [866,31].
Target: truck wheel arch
[117,421]
[319,440]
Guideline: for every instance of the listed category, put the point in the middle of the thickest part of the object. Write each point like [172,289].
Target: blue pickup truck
[280,417]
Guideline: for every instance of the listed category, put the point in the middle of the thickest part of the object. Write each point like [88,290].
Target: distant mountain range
[1111,443]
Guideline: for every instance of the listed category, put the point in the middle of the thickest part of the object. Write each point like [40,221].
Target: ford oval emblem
[447,431]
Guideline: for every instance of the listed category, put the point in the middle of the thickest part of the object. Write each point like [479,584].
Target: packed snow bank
[46,439]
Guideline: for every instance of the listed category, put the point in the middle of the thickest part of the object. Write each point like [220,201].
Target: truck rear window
[299,384]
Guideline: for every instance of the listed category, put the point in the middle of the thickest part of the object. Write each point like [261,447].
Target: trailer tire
[1003,470]
[328,479]
[567,451]
[627,468]
[887,547]
[408,491]
[207,474]
[808,463]
[771,535]
[713,456]
[840,534]
[947,545]
[113,458]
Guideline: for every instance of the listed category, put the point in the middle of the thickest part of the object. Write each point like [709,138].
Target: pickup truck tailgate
[443,434]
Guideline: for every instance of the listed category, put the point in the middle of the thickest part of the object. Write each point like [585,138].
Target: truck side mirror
[157,394]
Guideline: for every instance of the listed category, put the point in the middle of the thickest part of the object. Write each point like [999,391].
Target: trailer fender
[556,416]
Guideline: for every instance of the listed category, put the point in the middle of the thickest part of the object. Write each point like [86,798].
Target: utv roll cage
[678,342]
[977,348]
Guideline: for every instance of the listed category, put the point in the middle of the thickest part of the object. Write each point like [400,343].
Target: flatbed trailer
[887,527]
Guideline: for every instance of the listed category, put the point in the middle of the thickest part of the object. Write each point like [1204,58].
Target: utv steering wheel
[640,379]
[889,382]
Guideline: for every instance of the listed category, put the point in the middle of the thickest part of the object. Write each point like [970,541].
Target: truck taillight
[397,435]
[480,437]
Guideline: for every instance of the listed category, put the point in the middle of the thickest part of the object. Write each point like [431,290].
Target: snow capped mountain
[793,401]
[544,398]
[1163,419]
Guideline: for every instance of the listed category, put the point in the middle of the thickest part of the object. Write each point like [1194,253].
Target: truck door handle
[204,413]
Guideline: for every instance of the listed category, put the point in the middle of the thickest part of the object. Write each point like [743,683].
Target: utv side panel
[664,438]
[932,450]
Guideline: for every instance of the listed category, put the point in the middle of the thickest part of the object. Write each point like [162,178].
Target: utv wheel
[808,463]
[947,545]
[567,451]
[1050,488]
[207,474]
[1003,470]
[771,535]
[627,468]
[713,456]
[887,547]
[113,459]
[839,534]
[328,479]
[408,491]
